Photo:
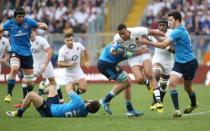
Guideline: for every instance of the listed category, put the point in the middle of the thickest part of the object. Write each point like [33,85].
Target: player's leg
[163,86]
[123,83]
[174,79]
[112,72]
[188,77]
[147,64]
[130,110]
[137,70]
[15,65]
[27,68]
[31,97]
[157,70]
[82,86]
[54,83]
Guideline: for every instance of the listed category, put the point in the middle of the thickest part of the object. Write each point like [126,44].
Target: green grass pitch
[199,120]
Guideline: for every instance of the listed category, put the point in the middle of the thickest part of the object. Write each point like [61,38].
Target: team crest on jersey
[25,26]
[75,57]
[37,43]
[3,43]
[77,48]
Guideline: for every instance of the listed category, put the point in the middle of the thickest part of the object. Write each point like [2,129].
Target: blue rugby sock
[10,86]
[129,106]
[109,97]
[174,96]
[192,99]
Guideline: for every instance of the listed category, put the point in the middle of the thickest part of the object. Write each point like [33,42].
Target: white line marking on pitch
[197,113]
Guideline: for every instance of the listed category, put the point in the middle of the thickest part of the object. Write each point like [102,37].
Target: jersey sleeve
[81,46]
[74,97]
[45,43]
[173,35]
[141,31]
[116,38]
[61,56]
[32,23]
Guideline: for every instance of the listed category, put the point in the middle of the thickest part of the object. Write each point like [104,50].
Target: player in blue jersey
[108,65]
[185,61]
[75,107]
[19,29]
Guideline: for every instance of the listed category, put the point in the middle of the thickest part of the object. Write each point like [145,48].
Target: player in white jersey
[42,54]
[162,62]
[4,49]
[69,58]
[141,65]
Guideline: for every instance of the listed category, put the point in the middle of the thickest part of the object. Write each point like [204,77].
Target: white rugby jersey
[67,55]
[4,46]
[131,43]
[163,54]
[38,47]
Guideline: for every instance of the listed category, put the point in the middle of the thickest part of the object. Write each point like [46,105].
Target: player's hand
[87,64]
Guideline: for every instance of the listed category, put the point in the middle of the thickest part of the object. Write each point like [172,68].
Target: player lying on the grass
[108,65]
[75,107]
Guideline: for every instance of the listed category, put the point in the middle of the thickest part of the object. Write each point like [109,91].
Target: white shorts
[73,77]
[138,60]
[49,72]
[166,65]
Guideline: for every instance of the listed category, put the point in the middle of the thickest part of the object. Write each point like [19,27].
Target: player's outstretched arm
[66,64]
[42,26]
[164,44]
[156,33]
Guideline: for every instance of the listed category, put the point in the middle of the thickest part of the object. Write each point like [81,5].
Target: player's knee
[15,64]
[122,78]
[29,79]
[172,83]
[149,76]
[30,95]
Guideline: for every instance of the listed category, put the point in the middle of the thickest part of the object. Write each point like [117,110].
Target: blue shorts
[44,110]
[187,69]
[110,70]
[26,62]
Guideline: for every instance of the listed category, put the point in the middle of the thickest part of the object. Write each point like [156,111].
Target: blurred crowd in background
[62,16]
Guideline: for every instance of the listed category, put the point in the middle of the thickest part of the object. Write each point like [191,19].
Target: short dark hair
[19,11]
[162,20]
[121,26]
[68,35]
[93,106]
[177,15]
